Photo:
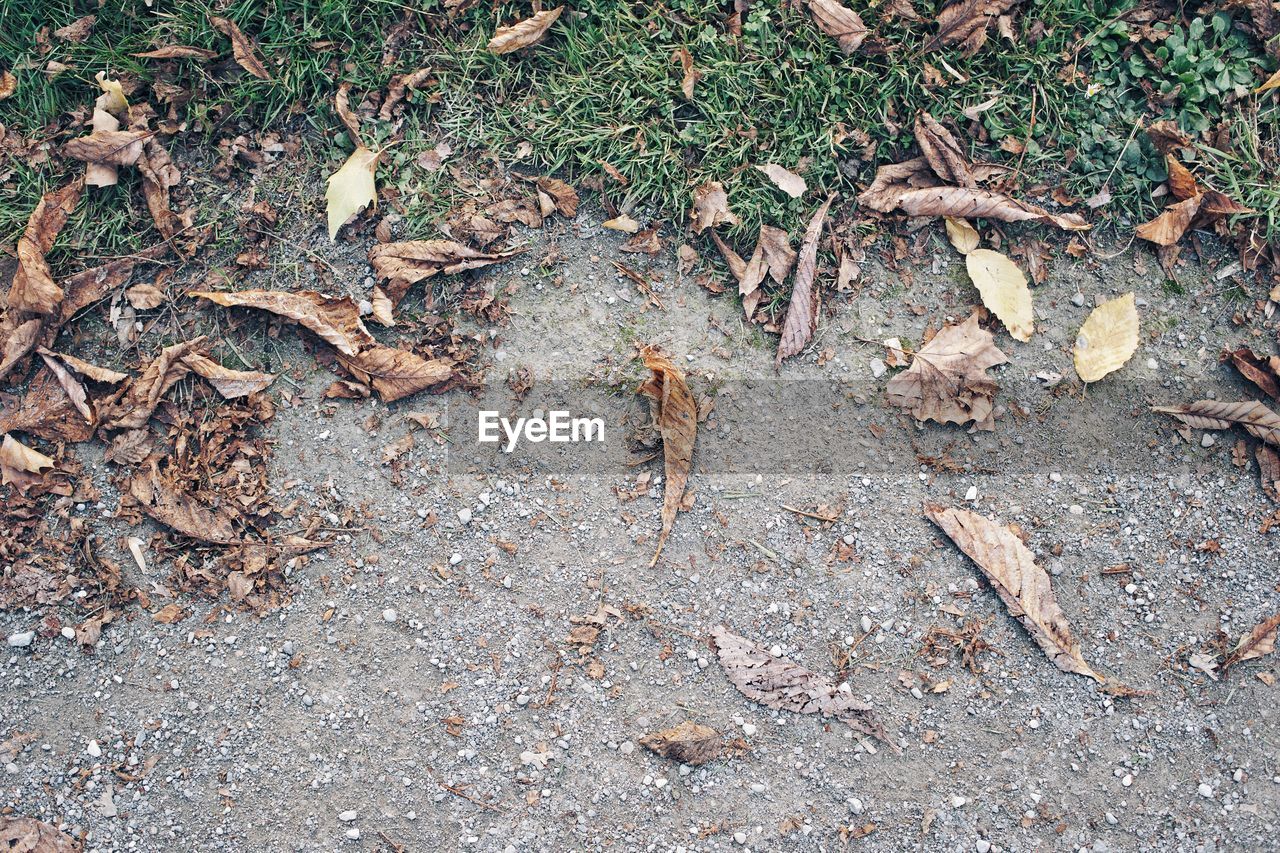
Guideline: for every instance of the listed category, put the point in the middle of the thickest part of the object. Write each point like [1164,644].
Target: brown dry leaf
[564,196]
[395,373]
[407,263]
[947,380]
[691,74]
[8,85]
[28,835]
[780,683]
[943,152]
[243,48]
[1258,642]
[1004,290]
[382,307]
[20,465]
[33,287]
[965,23]
[675,414]
[21,340]
[1182,184]
[144,297]
[229,383]
[70,385]
[1168,228]
[1108,338]
[711,207]
[802,310]
[896,186]
[839,22]
[141,396]
[107,147]
[524,33]
[399,86]
[342,106]
[172,506]
[86,369]
[644,242]
[46,411]
[335,319]
[1022,585]
[76,31]
[784,179]
[1257,420]
[1269,471]
[170,614]
[177,51]
[1263,372]
[688,743]
[397,448]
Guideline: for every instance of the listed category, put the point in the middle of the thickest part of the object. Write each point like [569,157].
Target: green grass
[604,88]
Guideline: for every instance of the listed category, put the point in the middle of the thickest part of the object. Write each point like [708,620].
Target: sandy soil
[418,690]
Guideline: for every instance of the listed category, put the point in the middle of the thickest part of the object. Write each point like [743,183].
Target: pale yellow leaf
[351,188]
[1108,338]
[622,223]
[1004,290]
[786,180]
[961,234]
[1273,82]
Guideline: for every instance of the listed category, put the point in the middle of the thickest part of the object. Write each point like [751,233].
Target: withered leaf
[523,33]
[177,51]
[398,87]
[1269,471]
[336,319]
[1107,339]
[170,614]
[173,507]
[20,465]
[644,242]
[46,411]
[564,196]
[1196,211]
[70,385]
[689,743]
[1263,372]
[690,76]
[21,340]
[28,835]
[33,287]
[774,246]
[1022,585]
[780,683]
[86,369]
[395,373]
[784,179]
[711,207]
[943,152]
[229,383]
[404,264]
[1261,640]
[1257,420]
[802,310]
[8,84]
[144,297]
[965,22]
[342,106]
[107,147]
[141,396]
[129,447]
[675,413]
[947,380]
[839,22]
[243,48]
[76,31]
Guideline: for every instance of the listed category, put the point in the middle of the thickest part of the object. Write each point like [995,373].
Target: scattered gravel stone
[24,638]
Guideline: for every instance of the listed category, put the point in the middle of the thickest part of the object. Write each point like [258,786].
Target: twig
[826,518]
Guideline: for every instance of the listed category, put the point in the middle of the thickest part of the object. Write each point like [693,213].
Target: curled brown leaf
[675,413]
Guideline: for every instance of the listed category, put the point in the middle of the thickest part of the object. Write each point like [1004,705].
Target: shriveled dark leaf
[336,319]
[173,507]
[689,743]
[395,373]
[840,22]
[404,264]
[243,48]
[675,413]
[943,152]
[134,407]
[802,311]
[965,23]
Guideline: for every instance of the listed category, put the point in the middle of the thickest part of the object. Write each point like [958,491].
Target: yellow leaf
[961,234]
[1273,82]
[1004,290]
[351,188]
[622,223]
[1108,338]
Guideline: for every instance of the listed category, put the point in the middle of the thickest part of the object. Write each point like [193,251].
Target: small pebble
[1206,790]
[1207,440]
[389,615]
[93,749]
[22,639]
[347,816]
[983,846]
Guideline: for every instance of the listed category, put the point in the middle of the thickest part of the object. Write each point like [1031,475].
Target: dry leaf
[524,33]
[943,153]
[1273,82]
[141,396]
[107,147]
[397,88]
[1258,642]
[1202,209]
[170,614]
[407,263]
[1022,585]
[1269,471]
[947,380]
[242,47]
[1263,372]
[342,106]
[779,683]
[689,743]
[335,319]
[802,310]
[175,508]
[144,297]
[229,383]
[177,51]
[76,31]
[1108,338]
[711,207]
[787,181]
[1182,184]
[382,307]
[86,369]
[965,23]
[644,242]
[962,235]
[395,373]
[691,74]
[774,248]
[564,196]
[351,188]
[1257,420]
[70,385]
[28,835]
[1004,290]
[33,288]
[622,223]
[8,85]
[675,414]
[47,411]
[20,465]
[839,22]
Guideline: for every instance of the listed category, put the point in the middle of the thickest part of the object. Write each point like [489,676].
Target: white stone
[1205,789]
[464,515]
[93,749]
[389,615]
[347,816]
[983,845]
[748,729]
[22,639]
[972,494]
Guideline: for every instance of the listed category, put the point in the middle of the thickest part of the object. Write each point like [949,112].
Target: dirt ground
[417,689]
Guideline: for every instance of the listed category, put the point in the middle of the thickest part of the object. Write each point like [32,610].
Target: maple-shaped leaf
[947,380]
